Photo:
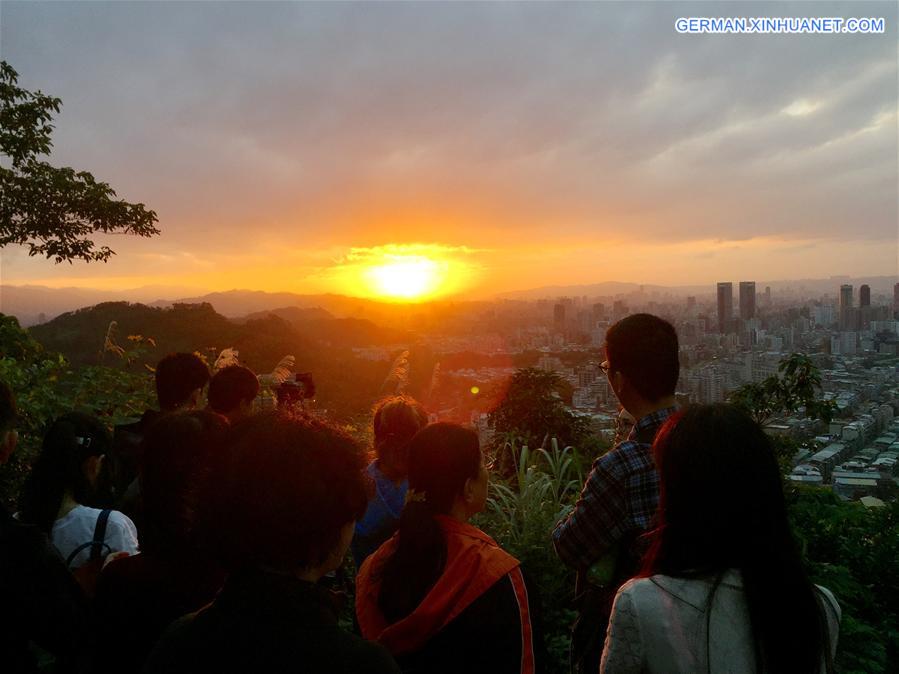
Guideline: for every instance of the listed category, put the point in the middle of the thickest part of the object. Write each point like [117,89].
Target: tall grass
[522,510]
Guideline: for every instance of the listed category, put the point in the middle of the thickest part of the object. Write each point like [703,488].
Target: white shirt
[77,528]
[658,624]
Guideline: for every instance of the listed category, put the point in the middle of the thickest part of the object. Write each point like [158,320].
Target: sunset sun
[408,278]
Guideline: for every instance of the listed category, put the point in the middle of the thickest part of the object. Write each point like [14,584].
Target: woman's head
[446,477]
[395,421]
[720,493]
[290,490]
[446,468]
[71,460]
[178,456]
[721,506]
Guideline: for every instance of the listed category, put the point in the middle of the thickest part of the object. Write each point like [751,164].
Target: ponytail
[416,563]
[441,458]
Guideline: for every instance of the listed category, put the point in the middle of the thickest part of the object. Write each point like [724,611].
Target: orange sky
[294,146]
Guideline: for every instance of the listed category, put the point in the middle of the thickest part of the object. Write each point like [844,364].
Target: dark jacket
[266,622]
[138,597]
[40,602]
[126,458]
[478,640]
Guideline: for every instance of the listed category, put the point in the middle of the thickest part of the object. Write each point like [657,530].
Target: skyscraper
[725,306]
[847,315]
[747,300]
[559,316]
[845,296]
[864,296]
[896,299]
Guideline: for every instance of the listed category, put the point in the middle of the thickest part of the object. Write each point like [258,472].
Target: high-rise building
[725,306]
[691,303]
[747,300]
[559,316]
[864,296]
[845,296]
[847,317]
[767,296]
[896,299]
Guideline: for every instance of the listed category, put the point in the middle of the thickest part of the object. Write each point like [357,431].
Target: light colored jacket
[658,624]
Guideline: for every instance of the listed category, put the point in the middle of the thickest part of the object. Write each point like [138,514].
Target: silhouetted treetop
[53,211]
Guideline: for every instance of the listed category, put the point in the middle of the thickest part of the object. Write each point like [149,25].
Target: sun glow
[406,277]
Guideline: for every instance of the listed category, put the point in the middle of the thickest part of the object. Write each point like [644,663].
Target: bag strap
[97,543]
[99,534]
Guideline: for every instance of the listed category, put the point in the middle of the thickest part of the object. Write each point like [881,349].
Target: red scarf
[474,563]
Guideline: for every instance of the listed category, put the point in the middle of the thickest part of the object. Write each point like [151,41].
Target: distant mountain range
[36,304]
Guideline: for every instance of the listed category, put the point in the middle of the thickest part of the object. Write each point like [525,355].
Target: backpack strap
[100,534]
[97,543]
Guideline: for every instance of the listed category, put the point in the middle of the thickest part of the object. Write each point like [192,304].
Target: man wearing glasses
[621,494]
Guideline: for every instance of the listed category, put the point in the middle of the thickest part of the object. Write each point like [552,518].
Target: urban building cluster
[727,340]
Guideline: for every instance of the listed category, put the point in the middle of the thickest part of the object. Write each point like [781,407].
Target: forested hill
[347,386]
[80,335]
[262,338]
[320,326]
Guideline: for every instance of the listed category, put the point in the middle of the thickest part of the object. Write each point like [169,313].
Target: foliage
[46,385]
[854,552]
[521,513]
[796,386]
[533,409]
[53,210]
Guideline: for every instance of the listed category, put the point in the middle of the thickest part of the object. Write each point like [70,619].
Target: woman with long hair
[63,485]
[722,588]
[441,595]
[394,421]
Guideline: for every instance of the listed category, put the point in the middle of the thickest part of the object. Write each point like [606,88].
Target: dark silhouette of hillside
[346,385]
[79,335]
[321,326]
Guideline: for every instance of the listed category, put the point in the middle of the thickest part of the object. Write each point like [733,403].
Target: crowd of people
[215,539]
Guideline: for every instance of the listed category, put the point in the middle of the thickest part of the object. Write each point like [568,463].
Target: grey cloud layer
[560,120]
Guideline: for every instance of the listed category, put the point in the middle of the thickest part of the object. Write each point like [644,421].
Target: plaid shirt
[621,496]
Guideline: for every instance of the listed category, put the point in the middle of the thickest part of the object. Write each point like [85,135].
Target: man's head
[8,415]
[180,378]
[289,495]
[232,391]
[642,360]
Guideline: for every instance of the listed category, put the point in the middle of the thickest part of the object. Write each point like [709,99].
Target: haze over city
[416,151]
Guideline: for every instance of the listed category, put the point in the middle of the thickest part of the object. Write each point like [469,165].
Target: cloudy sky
[285,146]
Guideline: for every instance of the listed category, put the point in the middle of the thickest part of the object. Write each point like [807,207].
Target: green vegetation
[521,513]
[796,387]
[533,408]
[854,551]
[52,211]
[46,385]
